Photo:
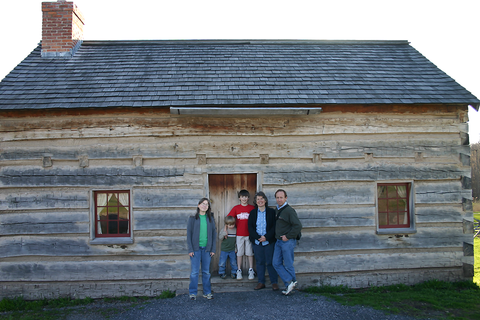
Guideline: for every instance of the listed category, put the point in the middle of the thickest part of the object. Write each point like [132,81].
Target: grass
[20,309]
[437,299]
[476,253]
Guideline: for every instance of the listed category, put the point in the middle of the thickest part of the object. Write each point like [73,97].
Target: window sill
[395,231]
[112,241]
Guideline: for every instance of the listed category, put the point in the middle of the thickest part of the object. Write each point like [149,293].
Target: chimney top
[62,29]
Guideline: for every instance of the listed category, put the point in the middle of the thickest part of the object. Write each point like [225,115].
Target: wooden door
[224,190]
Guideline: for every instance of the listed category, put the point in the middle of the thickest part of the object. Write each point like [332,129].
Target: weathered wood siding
[328,163]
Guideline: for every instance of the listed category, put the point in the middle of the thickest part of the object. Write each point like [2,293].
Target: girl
[202,242]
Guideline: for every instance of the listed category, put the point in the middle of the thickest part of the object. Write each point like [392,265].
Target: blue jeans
[264,257]
[283,260]
[224,255]
[200,257]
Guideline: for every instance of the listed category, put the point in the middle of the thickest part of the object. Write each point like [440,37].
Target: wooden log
[43,198]
[97,270]
[294,174]
[78,245]
[381,261]
[50,222]
[440,192]
[362,239]
[163,218]
[170,147]
[337,217]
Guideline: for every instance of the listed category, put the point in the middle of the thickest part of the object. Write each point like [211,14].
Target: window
[112,214]
[394,206]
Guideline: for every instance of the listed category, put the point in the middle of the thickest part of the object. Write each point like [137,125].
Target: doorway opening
[223,194]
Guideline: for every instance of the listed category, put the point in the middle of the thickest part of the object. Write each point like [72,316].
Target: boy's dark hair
[244,193]
[229,220]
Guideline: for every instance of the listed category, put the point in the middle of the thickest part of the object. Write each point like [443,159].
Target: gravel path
[263,304]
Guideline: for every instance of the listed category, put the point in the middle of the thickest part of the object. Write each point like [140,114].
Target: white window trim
[412,229]
[113,240]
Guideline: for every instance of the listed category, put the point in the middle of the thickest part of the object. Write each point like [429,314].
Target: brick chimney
[62,29]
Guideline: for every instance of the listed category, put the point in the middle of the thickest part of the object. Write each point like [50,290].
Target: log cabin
[107,146]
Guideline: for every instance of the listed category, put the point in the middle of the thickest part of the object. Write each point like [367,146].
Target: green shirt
[203,231]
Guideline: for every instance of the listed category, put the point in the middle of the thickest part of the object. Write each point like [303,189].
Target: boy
[244,247]
[228,236]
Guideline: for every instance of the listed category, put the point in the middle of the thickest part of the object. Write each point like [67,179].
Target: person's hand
[191,254]
[262,239]
[284,238]
[212,254]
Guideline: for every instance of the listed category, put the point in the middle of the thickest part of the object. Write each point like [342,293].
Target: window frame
[411,209]
[96,238]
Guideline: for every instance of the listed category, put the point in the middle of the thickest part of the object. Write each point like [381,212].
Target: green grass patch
[50,309]
[438,299]
[476,253]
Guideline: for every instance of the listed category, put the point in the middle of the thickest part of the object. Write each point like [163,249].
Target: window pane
[101,213]
[392,191]
[112,200]
[113,218]
[382,205]
[123,227]
[392,205]
[123,213]
[102,227]
[402,204]
[101,199]
[402,218]
[113,227]
[382,219]
[382,191]
[402,191]
[392,218]
[123,198]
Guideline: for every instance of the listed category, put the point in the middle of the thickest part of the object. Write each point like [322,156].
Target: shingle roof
[230,73]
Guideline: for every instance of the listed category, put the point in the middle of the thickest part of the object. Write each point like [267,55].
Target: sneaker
[223,276]
[290,288]
[208,296]
[233,275]
[239,274]
[193,297]
[251,274]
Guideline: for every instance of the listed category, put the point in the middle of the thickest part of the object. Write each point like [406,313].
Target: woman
[261,226]
[201,241]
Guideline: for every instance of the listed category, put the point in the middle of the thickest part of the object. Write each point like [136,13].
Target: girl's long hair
[208,212]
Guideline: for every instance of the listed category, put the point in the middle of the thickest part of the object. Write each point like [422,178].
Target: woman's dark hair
[209,210]
[260,194]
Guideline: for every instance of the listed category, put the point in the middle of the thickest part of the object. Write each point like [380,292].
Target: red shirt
[241,213]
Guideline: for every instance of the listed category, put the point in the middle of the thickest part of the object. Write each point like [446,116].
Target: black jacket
[271,222]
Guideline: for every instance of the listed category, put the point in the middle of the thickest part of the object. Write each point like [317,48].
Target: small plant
[167,294]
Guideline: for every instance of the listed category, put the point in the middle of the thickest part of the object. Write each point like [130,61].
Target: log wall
[328,163]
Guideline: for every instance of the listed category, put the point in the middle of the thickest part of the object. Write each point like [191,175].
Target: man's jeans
[264,257]
[223,261]
[200,257]
[283,260]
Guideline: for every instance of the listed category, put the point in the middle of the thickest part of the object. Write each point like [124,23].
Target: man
[287,228]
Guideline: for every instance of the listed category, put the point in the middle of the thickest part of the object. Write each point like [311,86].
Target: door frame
[219,220]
